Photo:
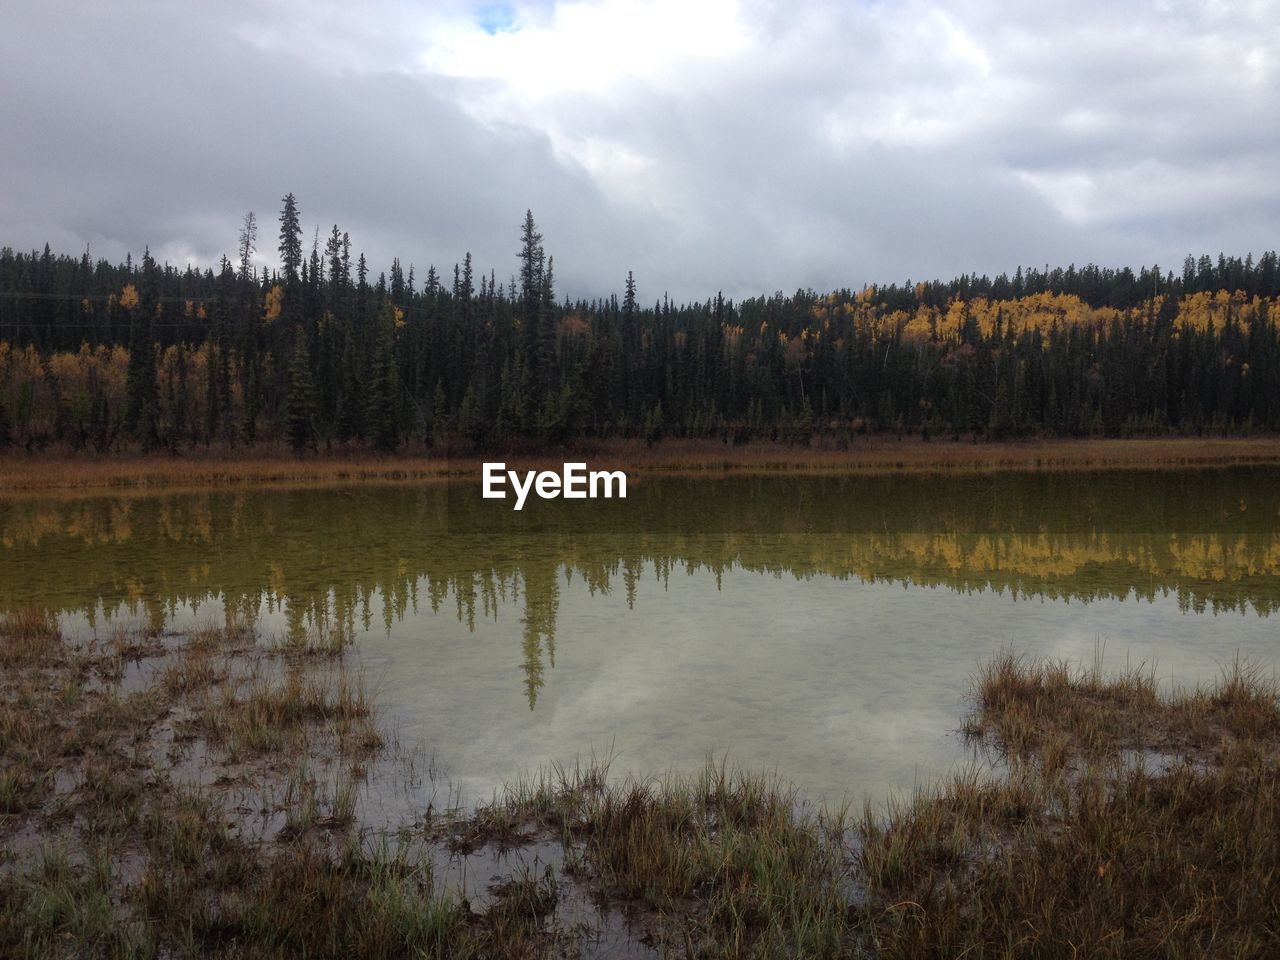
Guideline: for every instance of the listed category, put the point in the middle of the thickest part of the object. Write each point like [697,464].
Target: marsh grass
[106,851]
[267,712]
[1054,708]
[721,864]
[1118,820]
[31,638]
[1128,823]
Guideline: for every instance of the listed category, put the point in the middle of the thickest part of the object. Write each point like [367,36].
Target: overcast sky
[738,146]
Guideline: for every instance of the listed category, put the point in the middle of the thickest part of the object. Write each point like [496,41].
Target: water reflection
[822,626]
[1211,539]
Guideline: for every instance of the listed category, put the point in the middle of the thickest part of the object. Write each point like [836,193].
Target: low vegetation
[1127,823]
[720,864]
[207,795]
[197,796]
[26,475]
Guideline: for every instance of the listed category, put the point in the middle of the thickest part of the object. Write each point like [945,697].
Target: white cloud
[592,48]
[742,145]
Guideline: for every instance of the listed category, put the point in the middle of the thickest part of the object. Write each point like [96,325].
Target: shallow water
[820,627]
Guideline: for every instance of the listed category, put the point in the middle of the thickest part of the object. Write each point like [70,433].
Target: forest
[321,355]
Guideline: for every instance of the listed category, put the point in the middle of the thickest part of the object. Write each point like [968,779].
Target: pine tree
[290,240]
[384,387]
[439,412]
[300,404]
[532,267]
[140,384]
[248,243]
[349,423]
[252,405]
[629,301]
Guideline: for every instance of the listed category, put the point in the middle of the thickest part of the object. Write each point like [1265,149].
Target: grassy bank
[45,472]
[209,795]
[1126,824]
[201,795]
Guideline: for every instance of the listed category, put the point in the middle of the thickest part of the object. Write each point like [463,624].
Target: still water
[823,628]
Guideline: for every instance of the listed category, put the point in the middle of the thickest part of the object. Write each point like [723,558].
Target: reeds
[1119,820]
[28,637]
[725,864]
[105,851]
[1048,707]
[1129,823]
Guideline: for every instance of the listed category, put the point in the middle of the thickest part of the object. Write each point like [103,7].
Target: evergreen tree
[532,267]
[349,423]
[248,243]
[629,301]
[300,406]
[290,240]
[252,405]
[141,390]
[384,386]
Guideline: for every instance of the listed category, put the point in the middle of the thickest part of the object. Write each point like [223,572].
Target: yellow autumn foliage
[273,304]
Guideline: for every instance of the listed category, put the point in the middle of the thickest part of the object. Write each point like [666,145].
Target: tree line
[320,354]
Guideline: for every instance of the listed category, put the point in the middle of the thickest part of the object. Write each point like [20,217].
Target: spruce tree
[140,378]
[532,267]
[290,240]
[300,404]
[349,423]
[384,386]
[248,243]
[439,412]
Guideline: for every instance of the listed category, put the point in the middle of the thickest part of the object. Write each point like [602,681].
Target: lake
[820,627]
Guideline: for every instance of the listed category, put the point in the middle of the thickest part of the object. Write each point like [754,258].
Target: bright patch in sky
[497,18]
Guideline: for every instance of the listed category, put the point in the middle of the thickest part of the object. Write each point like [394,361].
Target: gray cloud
[738,147]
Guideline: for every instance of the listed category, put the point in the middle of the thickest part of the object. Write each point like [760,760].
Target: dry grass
[1078,846]
[881,455]
[43,475]
[721,864]
[30,638]
[1054,709]
[1111,862]
[1083,849]
[106,850]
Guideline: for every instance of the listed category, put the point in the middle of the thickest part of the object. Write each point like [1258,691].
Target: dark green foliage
[140,416]
[390,364]
[384,395]
[290,239]
[300,406]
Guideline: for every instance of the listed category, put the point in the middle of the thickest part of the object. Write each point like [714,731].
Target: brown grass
[719,864]
[107,851]
[22,475]
[28,637]
[1130,823]
[1054,709]
[1076,846]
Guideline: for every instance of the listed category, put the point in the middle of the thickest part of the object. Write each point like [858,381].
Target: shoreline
[213,794]
[27,474]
